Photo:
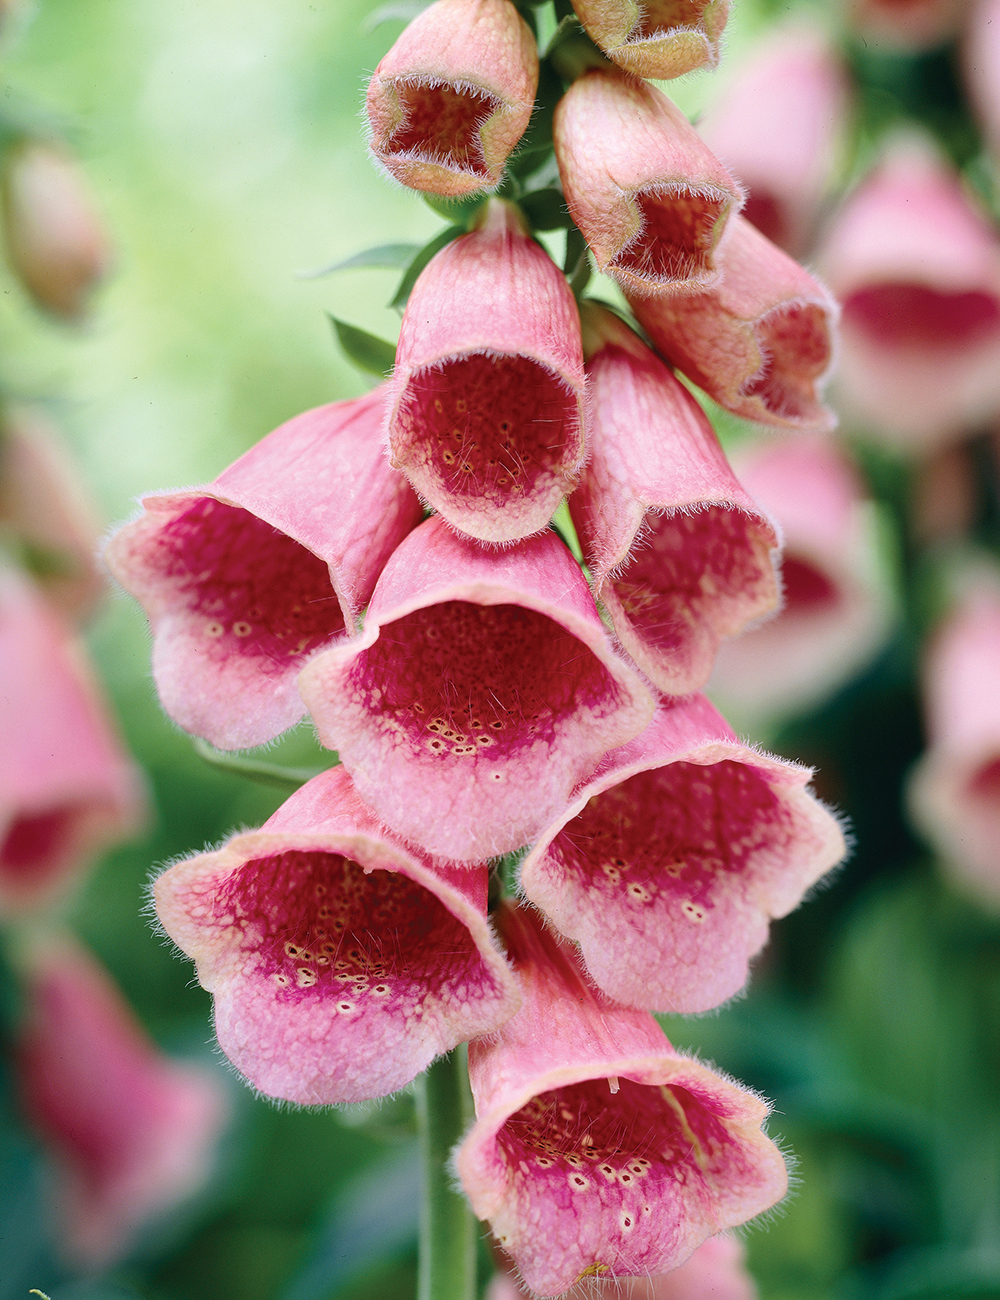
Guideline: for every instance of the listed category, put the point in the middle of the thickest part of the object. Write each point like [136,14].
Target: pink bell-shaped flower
[482,689]
[649,196]
[453,96]
[67,788]
[678,553]
[131,1132]
[597,1149]
[760,342]
[674,856]
[917,269]
[662,39]
[341,963]
[243,579]
[486,407]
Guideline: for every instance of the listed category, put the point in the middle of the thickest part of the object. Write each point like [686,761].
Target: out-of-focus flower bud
[674,856]
[597,1150]
[132,1133]
[760,342]
[341,962]
[906,24]
[778,126]
[981,68]
[662,39]
[453,96]
[55,242]
[67,788]
[486,406]
[482,689]
[649,196]
[243,579]
[837,594]
[678,553]
[917,269]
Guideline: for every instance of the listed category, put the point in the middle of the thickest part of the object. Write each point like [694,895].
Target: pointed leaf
[418,263]
[382,255]
[366,350]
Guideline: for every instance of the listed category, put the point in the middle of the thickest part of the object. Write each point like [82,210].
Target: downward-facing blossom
[760,342]
[917,269]
[243,579]
[649,196]
[487,396]
[661,39]
[597,1149]
[674,856]
[482,689]
[453,96]
[67,788]
[837,597]
[954,794]
[341,963]
[130,1131]
[678,552]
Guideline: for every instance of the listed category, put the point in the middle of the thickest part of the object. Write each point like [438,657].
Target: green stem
[447,1228]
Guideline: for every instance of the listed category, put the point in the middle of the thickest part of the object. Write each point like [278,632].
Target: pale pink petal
[596,1148]
[487,394]
[341,963]
[674,856]
[660,39]
[243,579]
[482,689]
[651,199]
[678,553]
[132,1132]
[453,96]
[760,342]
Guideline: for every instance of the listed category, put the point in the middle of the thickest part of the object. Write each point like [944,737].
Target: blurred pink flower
[678,553]
[597,1149]
[341,962]
[917,269]
[760,342]
[674,856]
[838,601]
[487,395]
[131,1132]
[651,199]
[453,96]
[67,788]
[906,24]
[482,689]
[660,40]
[981,67]
[243,579]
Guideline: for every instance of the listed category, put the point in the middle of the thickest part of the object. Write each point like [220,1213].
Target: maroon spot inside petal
[808,590]
[656,17]
[765,212]
[797,348]
[985,784]
[259,593]
[441,124]
[918,316]
[38,843]
[712,566]
[487,429]
[463,680]
[321,927]
[679,231]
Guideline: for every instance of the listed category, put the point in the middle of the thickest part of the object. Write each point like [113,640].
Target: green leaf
[396,11]
[420,261]
[382,255]
[366,350]
[546,210]
[258,769]
[457,211]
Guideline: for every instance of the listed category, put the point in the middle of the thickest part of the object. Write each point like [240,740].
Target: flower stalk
[447,1269]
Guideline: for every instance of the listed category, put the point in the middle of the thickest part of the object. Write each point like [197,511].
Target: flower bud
[660,40]
[453,96]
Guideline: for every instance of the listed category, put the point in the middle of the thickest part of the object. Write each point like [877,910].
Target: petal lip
[641,44]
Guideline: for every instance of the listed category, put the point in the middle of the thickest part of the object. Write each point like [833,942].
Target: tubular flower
[651,199]
[675,855]
[482,689]
[596,1148]
[243,579]
[487,395]
[778,126]
[917,269]
[678,553]
[453,96]
[131,1132]
[760,342]
[955,790]
[67,788]
[837,595]
[341,962]
[664,39]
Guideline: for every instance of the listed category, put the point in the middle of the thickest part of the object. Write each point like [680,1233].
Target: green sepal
[258,769]
[366,350]
[546,209]
[417,264]
[460,212]
[391,256]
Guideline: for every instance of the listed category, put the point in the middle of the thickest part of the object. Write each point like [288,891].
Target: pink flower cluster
[484,698]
